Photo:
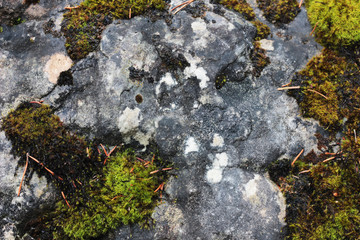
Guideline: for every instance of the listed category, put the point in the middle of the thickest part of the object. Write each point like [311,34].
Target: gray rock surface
[220,140]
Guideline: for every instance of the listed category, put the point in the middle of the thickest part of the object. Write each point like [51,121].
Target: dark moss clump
[83,25]
[258,59]
[262,30]
[330,90]
[279,11]
[322,202]
[337,21]
[33,128]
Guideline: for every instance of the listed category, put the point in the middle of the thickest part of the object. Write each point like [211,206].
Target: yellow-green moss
[83,25]
[262,30]
[337,21]
[330,91]
[240,6]
[123,194]
[279,11]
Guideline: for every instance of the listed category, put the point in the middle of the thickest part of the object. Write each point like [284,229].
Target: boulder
[152,83]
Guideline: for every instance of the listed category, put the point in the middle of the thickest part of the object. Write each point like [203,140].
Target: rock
[153,83]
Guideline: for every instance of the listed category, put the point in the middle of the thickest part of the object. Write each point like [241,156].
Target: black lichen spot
[65,78]
[31,1]
[139,98]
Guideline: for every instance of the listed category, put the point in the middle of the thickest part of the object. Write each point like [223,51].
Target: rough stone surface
[219,140]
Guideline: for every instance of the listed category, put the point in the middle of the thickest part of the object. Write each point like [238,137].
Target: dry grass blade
[22,179]
[305,171]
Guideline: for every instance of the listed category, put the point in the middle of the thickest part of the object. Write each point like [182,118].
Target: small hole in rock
[139,98]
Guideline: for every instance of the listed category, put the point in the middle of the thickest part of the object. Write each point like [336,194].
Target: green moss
[93,196]
[262,30]
[279,11]
[337,21]
[124,194]
[83,26]
[336,79]
[240,6]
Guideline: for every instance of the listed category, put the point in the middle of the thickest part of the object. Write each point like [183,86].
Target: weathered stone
[219,140]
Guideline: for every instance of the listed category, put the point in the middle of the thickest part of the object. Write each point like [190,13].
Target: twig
[70,8]
[130,13]
[301,1]
[296,158]
[51,172]
[355,135]
[178,6]
[142,160]
[154,171]
[165,169]
[153,158]
[288,88]
[181,8]
[116,197]
[305,171]
[311,90]
[328,159]
[314,28]
[160,186]
[65,199]
[286,85]
[109,154]
[38,102]
[104,150]
[22,179]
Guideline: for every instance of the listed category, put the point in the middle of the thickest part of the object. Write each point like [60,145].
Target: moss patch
[337,21]
[240,6]
[322,197]
[123,194]
[93,196]
[33,128]
[279,11]
[83,25]
[329,90]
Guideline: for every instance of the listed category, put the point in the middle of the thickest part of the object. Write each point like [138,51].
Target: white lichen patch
[168,80]
[214,174]
[191,145]
[267,44]
[55,65]
[198,72]
[218,141]
[129,120]
[250,190]
[198,26]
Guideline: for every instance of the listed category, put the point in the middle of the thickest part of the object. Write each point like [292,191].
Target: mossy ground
[279,11]
[323,190]
[82,26]
[93,196]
